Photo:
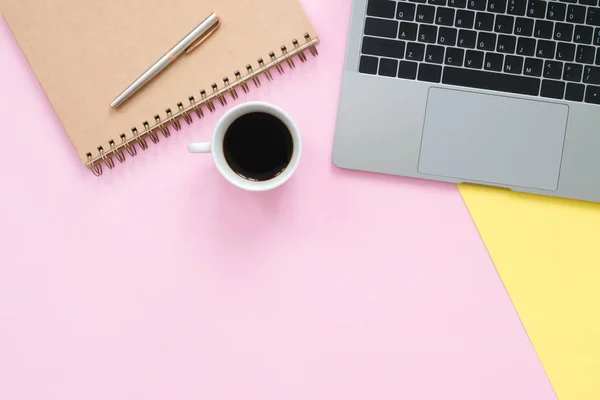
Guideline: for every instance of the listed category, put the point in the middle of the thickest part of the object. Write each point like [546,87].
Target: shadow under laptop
[392,180]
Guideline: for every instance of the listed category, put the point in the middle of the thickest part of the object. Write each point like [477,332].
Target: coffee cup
[255,146]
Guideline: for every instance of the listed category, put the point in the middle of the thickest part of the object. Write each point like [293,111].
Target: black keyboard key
[407,70]
[434,54]
[536,9]
[408,31]
[497,6]
[575,92]
[569,1]
[476,4]
[447,36]
[381,8]
[406,11]
[383,47]
[585,54]
[368,65]
[583,34]
[565,52]
[418,1]
[576,14]
[573,72]
[457,3]
[381,27]
[526,47]
[437,2]
[556,11]
[427,33]
[474,59]
[589,2]
[592,94]
[444,16]
[430,73]
[491,81]
[388,67]
[553,69]
[506,44]
[425,14]
[524,27]
[504,24]
[465,19]
[545,49]
[533,67]
[598,58]
[467,39]
[484,21]
[591,75]
[563,32]
[493,62]
[596,37]
[593,16]
[553,89]
[516,7]
[454,56]
[543,29]
[415,51]
[486,41]
[513,64]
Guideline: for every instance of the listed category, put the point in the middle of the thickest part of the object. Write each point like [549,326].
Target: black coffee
[258,146]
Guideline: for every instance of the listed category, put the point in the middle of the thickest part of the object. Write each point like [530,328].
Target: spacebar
[491,81]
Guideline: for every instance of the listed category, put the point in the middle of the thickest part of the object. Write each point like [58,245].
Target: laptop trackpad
[493,139]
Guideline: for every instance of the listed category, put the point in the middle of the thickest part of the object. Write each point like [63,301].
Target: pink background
[161,281]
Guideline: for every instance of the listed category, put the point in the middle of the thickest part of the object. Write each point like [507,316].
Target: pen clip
[202,38]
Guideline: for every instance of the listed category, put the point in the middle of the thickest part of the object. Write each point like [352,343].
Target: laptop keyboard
[530,47]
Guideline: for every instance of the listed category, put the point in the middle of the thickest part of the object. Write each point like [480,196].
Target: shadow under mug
[215,146]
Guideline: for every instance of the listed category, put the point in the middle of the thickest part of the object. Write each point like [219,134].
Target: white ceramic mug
[216,147]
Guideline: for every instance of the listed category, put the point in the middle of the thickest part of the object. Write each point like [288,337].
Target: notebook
[85,53]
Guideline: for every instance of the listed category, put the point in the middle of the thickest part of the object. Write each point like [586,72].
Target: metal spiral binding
[128,144]
[253,75]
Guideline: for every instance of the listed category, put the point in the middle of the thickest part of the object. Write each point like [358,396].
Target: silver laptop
[494,92]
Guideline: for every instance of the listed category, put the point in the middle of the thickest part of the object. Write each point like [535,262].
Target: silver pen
[188,44]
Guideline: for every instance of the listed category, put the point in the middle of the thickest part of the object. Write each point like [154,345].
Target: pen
[188,44]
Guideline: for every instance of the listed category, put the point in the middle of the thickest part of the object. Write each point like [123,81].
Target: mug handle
[199,148]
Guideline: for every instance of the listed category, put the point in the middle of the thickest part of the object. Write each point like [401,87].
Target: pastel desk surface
[159,280]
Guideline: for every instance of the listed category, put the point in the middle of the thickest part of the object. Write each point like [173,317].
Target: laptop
[502,93]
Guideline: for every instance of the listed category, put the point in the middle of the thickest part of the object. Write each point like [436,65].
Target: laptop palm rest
[491,139]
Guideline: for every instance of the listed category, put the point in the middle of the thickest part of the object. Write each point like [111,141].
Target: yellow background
[547,252]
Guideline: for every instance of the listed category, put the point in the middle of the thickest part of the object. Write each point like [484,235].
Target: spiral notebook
[84,53]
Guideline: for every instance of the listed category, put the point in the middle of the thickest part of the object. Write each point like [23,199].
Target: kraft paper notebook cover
[85,53]
[547,253]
